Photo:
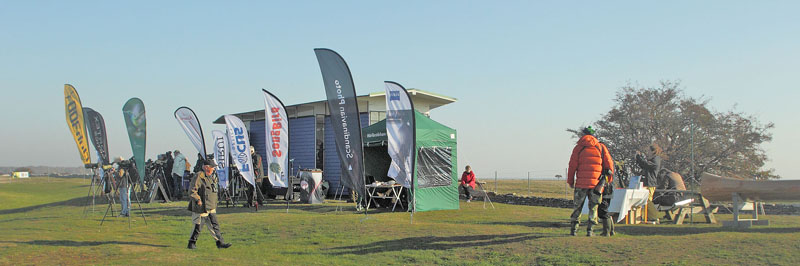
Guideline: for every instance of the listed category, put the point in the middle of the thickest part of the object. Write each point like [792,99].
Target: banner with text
[341,94]
[221,156]
[240,147]
[97,133]
[188,121]
[74,112]
[400,132]
[276,125]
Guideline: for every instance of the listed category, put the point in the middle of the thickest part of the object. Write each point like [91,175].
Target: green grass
[42,223]
[538,188]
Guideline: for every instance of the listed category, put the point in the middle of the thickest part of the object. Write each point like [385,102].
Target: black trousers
[250,192]
[176,186]
[602,209]
[468,191]
[211,223]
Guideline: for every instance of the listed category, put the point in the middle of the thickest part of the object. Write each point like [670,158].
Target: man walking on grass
[203,204]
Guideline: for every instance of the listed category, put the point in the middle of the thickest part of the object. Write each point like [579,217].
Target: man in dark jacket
[203,204]
[650,164]
[170,161]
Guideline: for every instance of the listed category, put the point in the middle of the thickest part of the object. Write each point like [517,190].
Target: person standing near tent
[178,166]
[468,182]
[203,204]
[589,161]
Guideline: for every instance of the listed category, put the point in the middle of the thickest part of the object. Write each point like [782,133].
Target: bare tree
[727,143]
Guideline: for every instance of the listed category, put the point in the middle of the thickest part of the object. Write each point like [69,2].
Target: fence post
[566,170]
[529,184]
[495,182]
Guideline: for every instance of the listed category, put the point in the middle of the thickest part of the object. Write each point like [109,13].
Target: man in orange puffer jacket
[589,161]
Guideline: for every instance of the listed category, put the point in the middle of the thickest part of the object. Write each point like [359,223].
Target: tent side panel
[443,197]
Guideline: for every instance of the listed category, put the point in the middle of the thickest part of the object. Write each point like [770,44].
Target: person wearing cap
[203,204]
[123,188]
[178,167]
[590,161]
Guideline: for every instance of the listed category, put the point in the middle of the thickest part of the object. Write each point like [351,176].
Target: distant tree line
[726,143]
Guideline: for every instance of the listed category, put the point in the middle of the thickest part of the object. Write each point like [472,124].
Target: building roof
[435,99]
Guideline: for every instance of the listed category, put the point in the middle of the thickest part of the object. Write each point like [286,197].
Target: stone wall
[770,209]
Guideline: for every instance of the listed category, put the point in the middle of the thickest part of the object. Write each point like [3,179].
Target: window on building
[376,116]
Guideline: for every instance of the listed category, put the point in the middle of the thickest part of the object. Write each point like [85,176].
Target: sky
[522,71]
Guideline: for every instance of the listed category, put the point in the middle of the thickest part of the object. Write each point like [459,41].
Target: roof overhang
[437,100]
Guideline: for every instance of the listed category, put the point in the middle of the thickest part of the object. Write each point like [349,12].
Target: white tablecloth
[623,200]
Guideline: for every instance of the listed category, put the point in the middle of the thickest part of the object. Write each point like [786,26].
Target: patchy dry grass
[42,223]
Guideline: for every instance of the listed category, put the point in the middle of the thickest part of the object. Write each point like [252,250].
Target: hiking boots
[191,245]
[589,231]
[608,227]
[573,229]
[223,245]
[611,227]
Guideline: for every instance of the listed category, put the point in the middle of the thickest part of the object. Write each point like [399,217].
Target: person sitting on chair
[468,183]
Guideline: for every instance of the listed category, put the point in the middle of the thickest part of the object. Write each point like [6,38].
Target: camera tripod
[95,185]
[123,181]
[157,180]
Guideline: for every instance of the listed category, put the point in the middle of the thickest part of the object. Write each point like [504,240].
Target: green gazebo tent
[436,170]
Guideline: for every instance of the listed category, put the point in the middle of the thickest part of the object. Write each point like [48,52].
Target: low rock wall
[769,209]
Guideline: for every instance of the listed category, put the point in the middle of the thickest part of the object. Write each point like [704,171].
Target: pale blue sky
[523,71]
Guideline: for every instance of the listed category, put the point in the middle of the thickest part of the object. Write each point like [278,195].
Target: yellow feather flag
[74,111]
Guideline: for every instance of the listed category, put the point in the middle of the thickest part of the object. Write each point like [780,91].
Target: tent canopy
[436,170]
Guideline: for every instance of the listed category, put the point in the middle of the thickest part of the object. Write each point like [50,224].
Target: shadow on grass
[71,202]
[531,224]
[690,230]
[433,243]
[29,219]
[70,243]
[221,209]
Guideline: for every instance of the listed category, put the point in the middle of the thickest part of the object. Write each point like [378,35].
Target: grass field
[42,223]
[538,188]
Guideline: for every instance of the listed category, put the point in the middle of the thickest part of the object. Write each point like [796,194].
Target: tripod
[92,190]
[124,181]
[254,195]
[157,185]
